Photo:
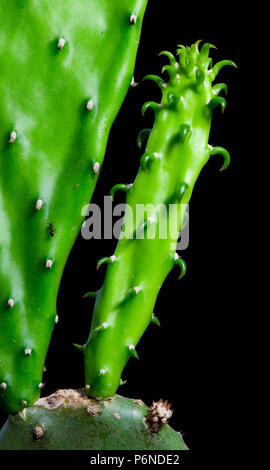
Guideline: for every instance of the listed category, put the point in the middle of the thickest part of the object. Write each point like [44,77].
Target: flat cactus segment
[69,420]
[66,67]
[180,140]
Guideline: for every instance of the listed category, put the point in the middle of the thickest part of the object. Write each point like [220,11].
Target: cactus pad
[69,420]
[65,70]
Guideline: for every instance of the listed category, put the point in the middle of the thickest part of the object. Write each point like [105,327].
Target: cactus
[69,420]
[177,149]
[65,70]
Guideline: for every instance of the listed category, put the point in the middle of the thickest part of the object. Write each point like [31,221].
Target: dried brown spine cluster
[158,414]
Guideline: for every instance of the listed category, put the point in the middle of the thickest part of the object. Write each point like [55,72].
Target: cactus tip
[217,101]
[80,347]
[155,320]
[151,105]
[224,153]
[143,137]
[181,263]
[133,351]
[90,294]
[109,260]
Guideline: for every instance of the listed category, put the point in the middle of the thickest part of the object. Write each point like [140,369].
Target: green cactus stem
[70,420]
[177,150]
[66,67]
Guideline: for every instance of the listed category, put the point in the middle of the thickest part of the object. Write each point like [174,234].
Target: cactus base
[70,420]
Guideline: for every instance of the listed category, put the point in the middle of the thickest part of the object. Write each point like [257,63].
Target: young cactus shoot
[177,149]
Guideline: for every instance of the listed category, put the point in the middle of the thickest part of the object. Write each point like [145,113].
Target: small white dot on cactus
[39,204]
[102,371]
[40,386]
[38,432]
[156,155]
[11,303]
[210,147]
[131,347]
[49,264]
[61,43]
[176,256]
[12,137]
[89,105]
[136,289]
[151,220]
[27,352]
[116,415]
[3,385]
[24,402]
[56,319]
[129,185]
[133,19]
[113,258]
[96,168]
[133,83]
[87,386]
[105,325]
[45,369]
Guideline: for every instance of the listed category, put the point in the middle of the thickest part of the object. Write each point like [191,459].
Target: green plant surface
[69,420]
[177,149]
[65,67]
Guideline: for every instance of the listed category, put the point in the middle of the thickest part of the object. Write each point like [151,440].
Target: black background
[193,360]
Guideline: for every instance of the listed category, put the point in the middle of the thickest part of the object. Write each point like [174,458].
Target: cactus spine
[177,149]
[65,70]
